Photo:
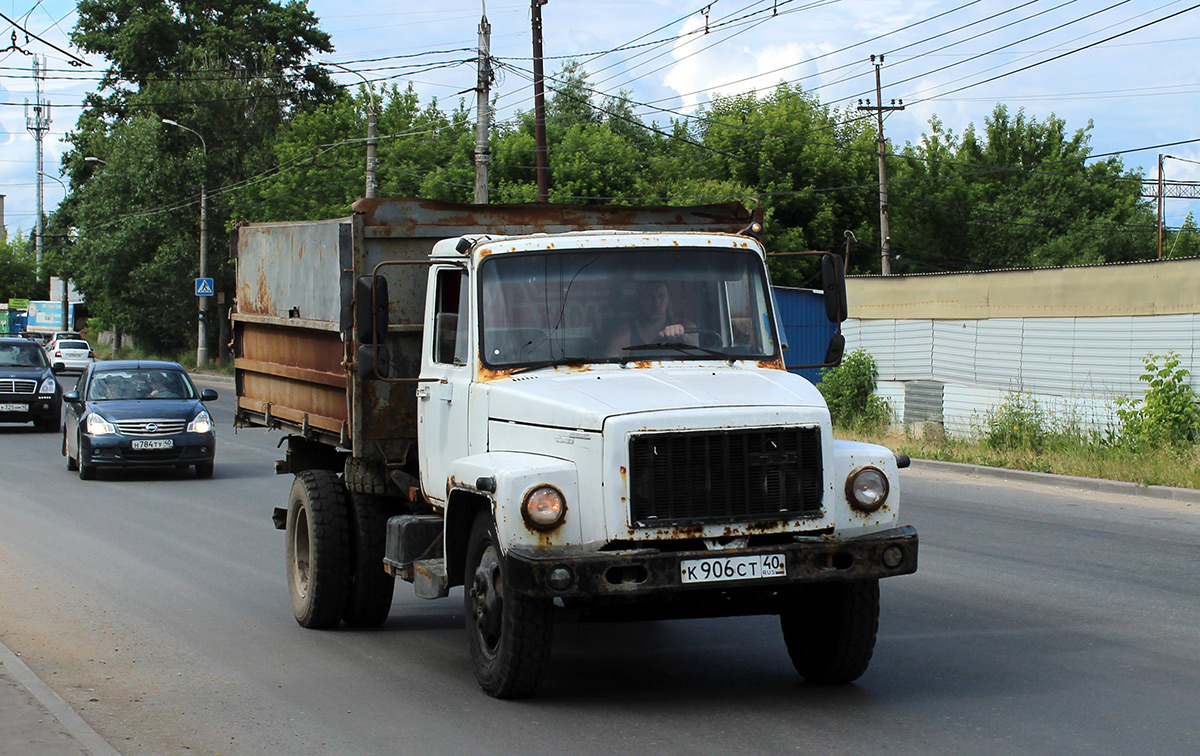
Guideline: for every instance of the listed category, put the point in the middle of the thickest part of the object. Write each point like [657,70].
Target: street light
[201,331]
[91,159]
[370,126]
[66,315]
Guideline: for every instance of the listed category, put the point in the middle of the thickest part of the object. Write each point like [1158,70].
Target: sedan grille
[725,476]
[17,386]
[151,427]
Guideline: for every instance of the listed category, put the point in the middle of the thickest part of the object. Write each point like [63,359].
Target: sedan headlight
[544,508]
[48,386]
[98,426]
[867,489]
[201,423]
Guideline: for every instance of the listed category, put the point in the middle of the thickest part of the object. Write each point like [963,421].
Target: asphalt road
[1041,621]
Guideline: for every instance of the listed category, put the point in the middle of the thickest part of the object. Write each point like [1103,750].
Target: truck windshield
[615,305]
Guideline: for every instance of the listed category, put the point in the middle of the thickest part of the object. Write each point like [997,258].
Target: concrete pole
[884,232]
[483,88]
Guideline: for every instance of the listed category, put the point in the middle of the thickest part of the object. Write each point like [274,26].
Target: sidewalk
[35,721]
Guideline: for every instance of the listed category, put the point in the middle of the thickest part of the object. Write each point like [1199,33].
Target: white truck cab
[613,473]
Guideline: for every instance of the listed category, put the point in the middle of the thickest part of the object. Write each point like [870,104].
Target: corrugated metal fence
[958,371]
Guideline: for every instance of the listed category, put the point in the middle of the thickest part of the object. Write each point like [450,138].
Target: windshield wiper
[548,364]
[677,345]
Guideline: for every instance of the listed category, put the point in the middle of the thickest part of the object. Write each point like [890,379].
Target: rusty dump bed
[294,336]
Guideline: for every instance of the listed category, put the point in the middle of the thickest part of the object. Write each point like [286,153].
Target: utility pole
[38,124]
[483,89]
[539,106]
[879,107]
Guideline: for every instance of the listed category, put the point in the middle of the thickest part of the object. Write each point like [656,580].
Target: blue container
[806,330]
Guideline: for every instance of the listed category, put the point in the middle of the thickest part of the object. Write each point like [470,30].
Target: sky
[1129,67]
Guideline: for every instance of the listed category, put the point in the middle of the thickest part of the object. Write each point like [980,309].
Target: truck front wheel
[509,635]
[830,630]
[318,549]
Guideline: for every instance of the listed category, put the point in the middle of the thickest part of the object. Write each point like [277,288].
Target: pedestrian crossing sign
[204,287]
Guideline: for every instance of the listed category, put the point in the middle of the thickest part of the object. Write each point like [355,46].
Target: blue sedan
[138,413]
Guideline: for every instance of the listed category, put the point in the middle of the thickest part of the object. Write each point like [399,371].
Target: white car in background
[70,355]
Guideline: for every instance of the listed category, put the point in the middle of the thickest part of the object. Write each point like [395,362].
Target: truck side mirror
[833,281]
[371,309]
[835,350]
[374,362]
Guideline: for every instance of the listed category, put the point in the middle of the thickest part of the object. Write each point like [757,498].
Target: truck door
[442,432]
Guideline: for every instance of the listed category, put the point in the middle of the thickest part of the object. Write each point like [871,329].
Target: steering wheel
[703,332]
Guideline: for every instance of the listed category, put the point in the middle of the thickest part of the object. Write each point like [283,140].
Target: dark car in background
[138,413]
[28,388]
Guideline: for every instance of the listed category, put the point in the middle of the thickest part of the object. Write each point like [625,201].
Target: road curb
[1188,495]
[71,722]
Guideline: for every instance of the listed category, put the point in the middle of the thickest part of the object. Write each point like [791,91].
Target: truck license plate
[152,443]
[716,569]
[14,407]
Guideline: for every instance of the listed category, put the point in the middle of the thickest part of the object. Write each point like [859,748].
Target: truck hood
[583,400]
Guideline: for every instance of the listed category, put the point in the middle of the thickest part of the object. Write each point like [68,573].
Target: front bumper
[118,451]
[650,573]
[41,407]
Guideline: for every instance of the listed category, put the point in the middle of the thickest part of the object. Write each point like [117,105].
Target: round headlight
[867,489]
[544,508]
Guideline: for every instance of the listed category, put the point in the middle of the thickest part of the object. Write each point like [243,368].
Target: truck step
[429,578]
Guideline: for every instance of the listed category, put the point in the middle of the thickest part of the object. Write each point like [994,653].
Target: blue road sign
[204,287]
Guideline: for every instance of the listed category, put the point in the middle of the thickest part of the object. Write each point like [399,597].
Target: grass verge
[1177,466]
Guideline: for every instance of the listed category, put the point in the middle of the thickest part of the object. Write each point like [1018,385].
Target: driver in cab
[651,321]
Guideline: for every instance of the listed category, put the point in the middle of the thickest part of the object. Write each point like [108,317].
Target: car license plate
[153,443]
[716,569]
[14,407]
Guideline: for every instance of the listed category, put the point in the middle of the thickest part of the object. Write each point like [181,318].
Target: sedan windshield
[141,383]
[618,305]
[22,355]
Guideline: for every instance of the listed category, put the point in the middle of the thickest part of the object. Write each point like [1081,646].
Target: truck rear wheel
[830,631]
[509,635]
[369,599]
[318,549]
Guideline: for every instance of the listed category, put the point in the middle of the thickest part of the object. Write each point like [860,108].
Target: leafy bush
[849,390]
[1169,414]
[1018,423]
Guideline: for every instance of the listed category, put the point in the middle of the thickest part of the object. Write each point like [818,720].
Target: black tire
[47,424]
[509,635]
[204,469]
[318,549]
[71,466]
[830,632]
[370,596]
[86,471]
[365,477]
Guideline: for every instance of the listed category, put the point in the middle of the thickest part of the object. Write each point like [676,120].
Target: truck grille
[725,476]
[151,427]
[14,386]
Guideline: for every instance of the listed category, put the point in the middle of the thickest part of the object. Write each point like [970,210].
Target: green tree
[1185,242]
[230,71]
[18,267]
[1019,192]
